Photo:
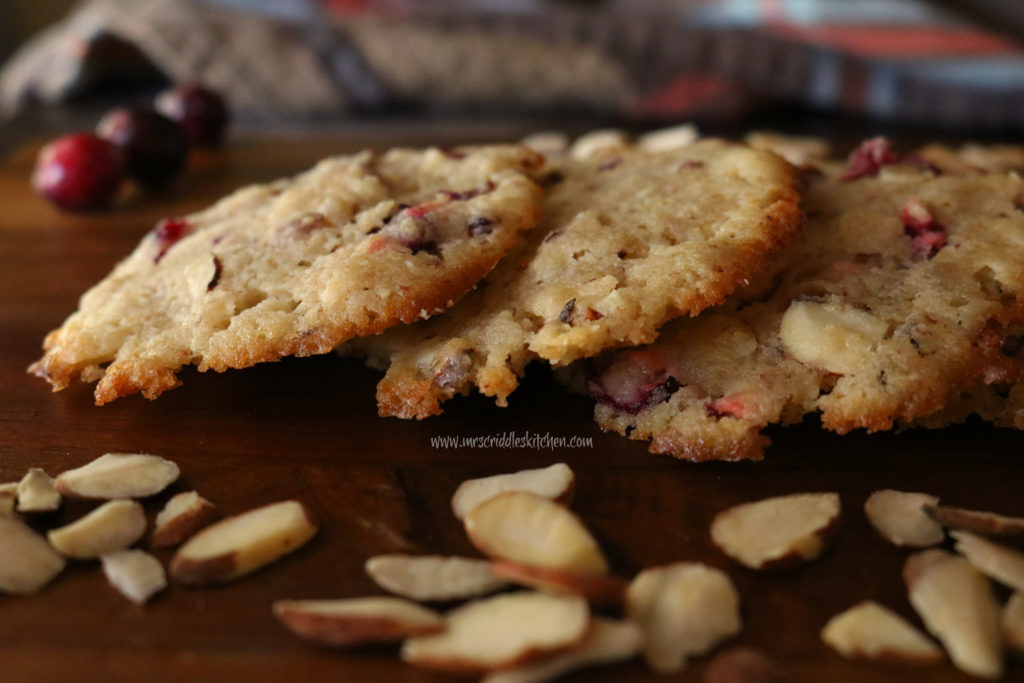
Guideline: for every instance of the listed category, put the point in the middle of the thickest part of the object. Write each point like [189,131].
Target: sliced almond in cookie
[777,532]
[555,482]
[598,141]
[433,577]
[870,631]
[598,589]
[667,139]
[27,562]
[36,492]
[900,518]
[999,563]
[740,664]
[240,545]
[830,336]
[1013,622]
[356,621]
[115,525]
[135,573]
[118,475]
[528,529]
[547,142]
[685,609]
[182,516]
[500,632]
[607,641]
[984,523]
[956,604]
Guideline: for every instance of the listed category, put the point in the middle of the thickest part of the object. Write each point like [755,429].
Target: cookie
[974,158]
[630,239]
[798,150]
[996,395]
[294,267]
[897,291]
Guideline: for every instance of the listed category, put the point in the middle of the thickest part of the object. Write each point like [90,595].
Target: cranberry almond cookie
[294,267]
[630,239]
[897,291]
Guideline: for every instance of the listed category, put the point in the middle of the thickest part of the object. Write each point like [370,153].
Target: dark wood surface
[307,428]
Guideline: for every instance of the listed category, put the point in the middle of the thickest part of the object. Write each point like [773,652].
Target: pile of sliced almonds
[531,539]
[211,552]
[951,593]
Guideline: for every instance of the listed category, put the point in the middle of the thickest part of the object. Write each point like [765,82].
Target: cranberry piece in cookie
[869,158]
[167,233]
[635,380]
[927,235]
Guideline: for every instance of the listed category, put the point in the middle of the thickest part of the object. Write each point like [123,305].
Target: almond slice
[999,563]
[115,525]
[777,532]
[118,475]
[239,545]
[555,482]
[955,603]
[429,578]
[27,562]
[500,632]
[1013,622]
[684,609]
[607,641]
[597,141]
[36,492]
[135,574]
[528,529]
[873,632]
[668,139]
[547,142]
[984,523]
[740,664]
[900,518]
[597,589]
[357,621]
[834,337]
[182,516]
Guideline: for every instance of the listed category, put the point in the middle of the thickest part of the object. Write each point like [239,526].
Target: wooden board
[308,429]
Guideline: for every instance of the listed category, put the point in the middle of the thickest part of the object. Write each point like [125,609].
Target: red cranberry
[79,172]
[927,235]
[634,381]
[868,158]
[201,112]
[155,146]
[169,232]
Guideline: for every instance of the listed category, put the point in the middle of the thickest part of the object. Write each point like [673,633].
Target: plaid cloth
[895,60]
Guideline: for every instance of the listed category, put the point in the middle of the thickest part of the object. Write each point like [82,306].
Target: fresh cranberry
[79,172]
[155,146]
[201,112]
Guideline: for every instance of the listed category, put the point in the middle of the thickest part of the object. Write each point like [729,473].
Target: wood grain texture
[307,428]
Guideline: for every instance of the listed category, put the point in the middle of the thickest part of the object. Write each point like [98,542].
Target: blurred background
[930,66]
